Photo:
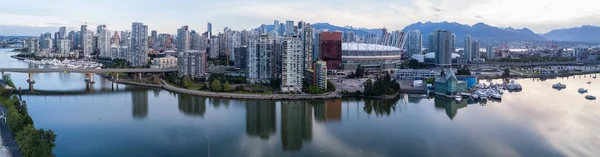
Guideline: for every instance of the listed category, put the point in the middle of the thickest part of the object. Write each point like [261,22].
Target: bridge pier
[89,78]
[117,76]
[30,80]
[2,73]
[139,76]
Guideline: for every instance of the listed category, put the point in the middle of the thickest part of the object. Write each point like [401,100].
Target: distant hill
[479,31]
[12,30]
[333,28]
[585,33]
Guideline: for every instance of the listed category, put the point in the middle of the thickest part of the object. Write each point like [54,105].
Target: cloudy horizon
[540,16]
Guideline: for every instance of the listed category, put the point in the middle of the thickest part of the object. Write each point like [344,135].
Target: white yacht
[458,97]
[582,90]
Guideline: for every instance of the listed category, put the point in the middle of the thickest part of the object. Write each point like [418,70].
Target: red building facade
[330,49]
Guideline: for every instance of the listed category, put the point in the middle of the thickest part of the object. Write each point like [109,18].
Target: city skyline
[540,16]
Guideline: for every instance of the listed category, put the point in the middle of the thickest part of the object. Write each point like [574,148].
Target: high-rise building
[104,37]
[468,49]
[125,38]
[289,28]
[32,45]
[64,46]
[73,36]
[489,52]
[291,69]
[82,32]
[330,49]
[321,74]
[100,29]
[306,36]
[198,42]
[240,57]
[153,39]
[192,63]
[475,50]
[260,60]
[139,45]
[276,26]
[55,40]
[114,51]
[350,36]
[88,43]
[115,39]
[263,29]
[214,47]
[62,33]
[45,41]
[209,29]
[183,39]
[414,42]
[444,40]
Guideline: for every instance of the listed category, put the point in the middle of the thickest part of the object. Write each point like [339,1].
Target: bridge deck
[32,70]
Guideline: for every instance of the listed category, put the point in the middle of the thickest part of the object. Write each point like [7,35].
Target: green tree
[330,86]
[155,80]
[15,120]
[313,89]
[226,86]
[36,143]
[8,80]
[186,81]
[216,86]
[368,86]
[506,72]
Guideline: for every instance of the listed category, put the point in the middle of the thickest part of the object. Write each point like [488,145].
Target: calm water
[106,119]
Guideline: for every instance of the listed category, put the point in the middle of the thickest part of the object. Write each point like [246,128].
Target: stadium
[369,56]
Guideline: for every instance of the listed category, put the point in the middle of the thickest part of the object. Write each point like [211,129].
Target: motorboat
[594,77]
[590,97]
[458,98]
[475,96]
[559,86]
[481,93]
[496,96]
[582,90]
[589,82]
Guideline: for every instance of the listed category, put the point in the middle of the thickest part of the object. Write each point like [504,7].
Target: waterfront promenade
[164,85]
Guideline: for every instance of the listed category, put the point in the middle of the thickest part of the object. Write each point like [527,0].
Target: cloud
[167,16]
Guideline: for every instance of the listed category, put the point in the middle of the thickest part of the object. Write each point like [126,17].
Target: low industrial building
[447,84]
[414,74]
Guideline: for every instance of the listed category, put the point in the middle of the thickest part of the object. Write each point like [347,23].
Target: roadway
[138,70]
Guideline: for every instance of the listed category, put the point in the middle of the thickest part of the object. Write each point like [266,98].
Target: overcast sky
[540,16]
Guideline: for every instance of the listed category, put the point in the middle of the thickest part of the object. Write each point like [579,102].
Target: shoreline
[8,138]
[164,86]
[540,75]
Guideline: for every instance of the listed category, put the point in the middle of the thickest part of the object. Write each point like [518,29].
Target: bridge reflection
[88,90]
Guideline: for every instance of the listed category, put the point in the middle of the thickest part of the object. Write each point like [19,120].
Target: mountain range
[481,31]
[585,33]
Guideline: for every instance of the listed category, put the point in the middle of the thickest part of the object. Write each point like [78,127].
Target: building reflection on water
[450,105]
[296,124]
[328,111]
[260,119]
[139,99]
[192,105]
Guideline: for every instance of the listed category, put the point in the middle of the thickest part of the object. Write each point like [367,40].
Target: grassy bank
[33,142]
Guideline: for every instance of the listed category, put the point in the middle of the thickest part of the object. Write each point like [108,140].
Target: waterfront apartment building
[209,29]
[64,46]
[88,43]
[114,51]
[192,63]
[414,42]
[306,36]
[32,45]
[443,44]
[321,74]
[468,49]
[165,62]
[139,45]
[330,49]
[291,68]
[82,33]
[289,28]
[104,37]
[260,60]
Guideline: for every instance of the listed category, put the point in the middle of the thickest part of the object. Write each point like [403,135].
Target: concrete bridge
[89,72]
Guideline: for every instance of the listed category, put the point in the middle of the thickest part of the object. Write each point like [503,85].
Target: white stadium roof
[367,47]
